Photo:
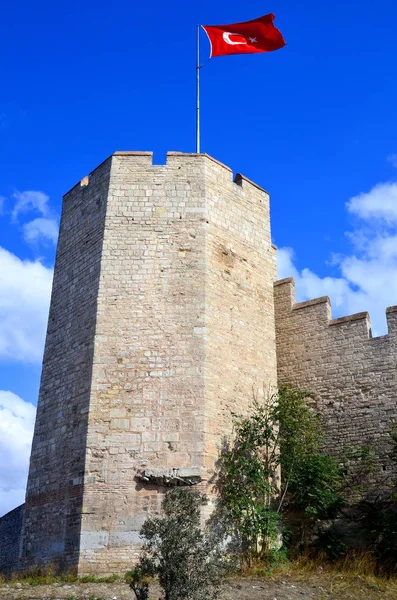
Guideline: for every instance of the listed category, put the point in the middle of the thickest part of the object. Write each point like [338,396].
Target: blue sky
[314,123]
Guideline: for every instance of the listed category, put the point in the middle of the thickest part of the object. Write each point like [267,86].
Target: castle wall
[353,376]
[54,496]
[240,329]
[147,398]
[161,324]
[168,366]
[10,539]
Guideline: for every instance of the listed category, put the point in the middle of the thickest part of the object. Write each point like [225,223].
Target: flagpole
[198,67]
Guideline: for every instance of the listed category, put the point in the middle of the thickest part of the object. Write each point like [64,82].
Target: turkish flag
[258,35]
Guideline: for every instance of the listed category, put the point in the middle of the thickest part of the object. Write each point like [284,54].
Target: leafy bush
[380,519]
[247,480]
[311,479]
[333,543]
[314,486]
[139,579]
[282,431]
[188,563]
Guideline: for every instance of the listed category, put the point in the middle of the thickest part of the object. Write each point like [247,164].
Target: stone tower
[161,323]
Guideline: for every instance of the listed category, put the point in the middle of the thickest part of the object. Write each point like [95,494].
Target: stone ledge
[240,178]
[322,300]
[132,153]
[356,317]
[283,281]
[193,154]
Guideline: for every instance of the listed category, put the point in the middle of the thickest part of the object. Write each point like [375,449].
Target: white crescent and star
[226,36]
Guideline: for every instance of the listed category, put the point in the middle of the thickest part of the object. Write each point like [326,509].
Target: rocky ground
[320,587]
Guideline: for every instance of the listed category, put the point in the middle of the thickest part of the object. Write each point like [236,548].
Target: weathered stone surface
[52,520]
[10,538]
[353,376]
[161,323]
[171,477]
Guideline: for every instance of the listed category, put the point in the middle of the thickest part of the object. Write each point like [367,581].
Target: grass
[48,577]
[95,579]
[354,576]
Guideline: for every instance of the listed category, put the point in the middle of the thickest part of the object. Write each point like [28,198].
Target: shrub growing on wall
[247,482]
[282,431]
[311,479]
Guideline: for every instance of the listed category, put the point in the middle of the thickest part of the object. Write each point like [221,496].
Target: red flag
[258,35]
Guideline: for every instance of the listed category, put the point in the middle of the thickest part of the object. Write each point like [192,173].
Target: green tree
[188,563]
[281,431]
[311,479]
[247,482]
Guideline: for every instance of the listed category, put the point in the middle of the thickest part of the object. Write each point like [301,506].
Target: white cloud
[308,285]
[368,276]
[392,158]
[16,430]
[28,201]
[379,203]
[25,288]
[41,230]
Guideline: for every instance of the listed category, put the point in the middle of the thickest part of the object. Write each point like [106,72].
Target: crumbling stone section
[352,374]
[161,323]
[10,538]
[171,477]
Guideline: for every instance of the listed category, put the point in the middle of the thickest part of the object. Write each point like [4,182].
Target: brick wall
[353,375]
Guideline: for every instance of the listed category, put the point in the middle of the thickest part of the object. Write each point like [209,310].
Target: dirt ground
[289,588]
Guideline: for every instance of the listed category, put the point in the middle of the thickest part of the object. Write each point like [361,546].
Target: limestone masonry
[352,374]
[163,320]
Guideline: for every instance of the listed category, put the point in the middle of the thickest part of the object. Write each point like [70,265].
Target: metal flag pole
[198,67]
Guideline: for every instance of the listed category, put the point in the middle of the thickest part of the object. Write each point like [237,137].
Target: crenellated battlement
[142,160]
[320,309]
[391,319]
[352,374]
